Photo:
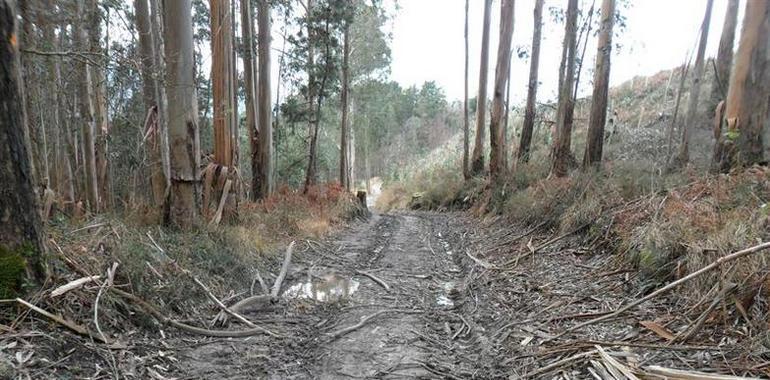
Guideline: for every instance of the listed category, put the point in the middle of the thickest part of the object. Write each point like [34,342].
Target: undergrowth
[664,225]
[157,264]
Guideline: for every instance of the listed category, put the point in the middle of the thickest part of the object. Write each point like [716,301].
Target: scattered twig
[191,329]
[62,321]
[533,250]
[557,364]
[375,279]
[668,373]
[480,262]
[689,333]
[365,320]
[106,284]
[262,284]
[72,285]
[610,361]
[220,209]
[707,268]
[149,309]
[219,303]
[284,269]
[89,227]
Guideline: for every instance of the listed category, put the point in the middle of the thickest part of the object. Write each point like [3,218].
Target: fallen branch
[151,310]
[262,284]
[480,262]
[684,336]
[245,303]
[533,250]
[62,321]
[106,284]
[284,268]
[148,308]
[707,268]
[72,285]
[219,303]
[556,364]
[676,374]
[375,279]
[609,361]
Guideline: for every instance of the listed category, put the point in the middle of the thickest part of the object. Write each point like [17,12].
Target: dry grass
[690,226]
[152,261]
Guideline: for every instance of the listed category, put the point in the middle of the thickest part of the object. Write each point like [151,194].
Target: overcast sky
[428,42]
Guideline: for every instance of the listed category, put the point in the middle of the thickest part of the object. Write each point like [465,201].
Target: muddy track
[381,299]
[415,263]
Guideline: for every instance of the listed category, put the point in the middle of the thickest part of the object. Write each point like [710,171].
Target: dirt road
[380,300]
[444,296]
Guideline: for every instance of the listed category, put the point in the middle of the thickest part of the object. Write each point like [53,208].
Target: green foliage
[12,268]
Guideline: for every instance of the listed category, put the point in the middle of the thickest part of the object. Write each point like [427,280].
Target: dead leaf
[657,328]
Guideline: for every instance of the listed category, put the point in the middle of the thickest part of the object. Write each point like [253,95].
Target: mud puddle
[329,287]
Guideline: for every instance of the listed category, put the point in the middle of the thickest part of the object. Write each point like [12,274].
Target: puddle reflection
[328,288]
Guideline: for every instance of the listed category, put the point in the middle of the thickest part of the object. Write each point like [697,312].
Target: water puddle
[443,299]
[327,288]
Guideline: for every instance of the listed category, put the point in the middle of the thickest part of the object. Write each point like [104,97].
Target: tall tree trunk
[53,176]
[562,154]
[724,56]
[352,144]
[466,121]
[160,96]
[183,114]
[529,110]
[30,116]
[87,117]
[149,93]
[21,229]
[101,145]
[477,160]
[344,178]
[598,117]
[222,81]
[265,122]
[310,173]
[247,30]
[506,120]
[66,155]
[276,107]
[697,80]
[747,109]
[585,34]
[502,70]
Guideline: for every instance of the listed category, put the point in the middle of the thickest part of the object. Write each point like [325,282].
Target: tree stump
[361,195]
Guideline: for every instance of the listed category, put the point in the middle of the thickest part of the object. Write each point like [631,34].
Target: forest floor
[428,295]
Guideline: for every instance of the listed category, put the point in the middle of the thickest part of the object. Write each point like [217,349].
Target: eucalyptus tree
[502,75]
[561,153]
[534,63]
[747,108]
[477,159]
[21,231]
[691,117]
[598,116]
[724,58]
[183,113]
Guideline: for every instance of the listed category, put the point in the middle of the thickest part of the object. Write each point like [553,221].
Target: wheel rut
[410,257]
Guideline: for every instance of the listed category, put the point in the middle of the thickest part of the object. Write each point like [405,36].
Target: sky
[428,42]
